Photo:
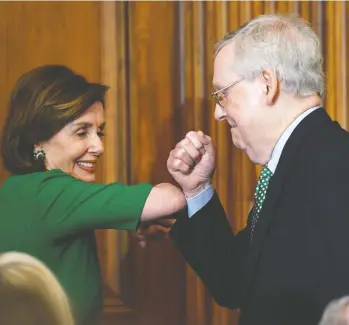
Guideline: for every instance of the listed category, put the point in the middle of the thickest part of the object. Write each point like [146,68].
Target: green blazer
[52,216]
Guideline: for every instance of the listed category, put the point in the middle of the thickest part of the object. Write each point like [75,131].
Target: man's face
[244,106]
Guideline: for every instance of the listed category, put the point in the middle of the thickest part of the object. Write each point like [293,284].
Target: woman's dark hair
[43,101]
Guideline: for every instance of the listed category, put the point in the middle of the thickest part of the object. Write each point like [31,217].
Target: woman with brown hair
[51,204]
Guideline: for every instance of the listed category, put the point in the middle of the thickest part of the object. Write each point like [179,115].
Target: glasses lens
[221,99]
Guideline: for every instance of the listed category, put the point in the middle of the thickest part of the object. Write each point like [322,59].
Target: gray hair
[336,312]
[285,44]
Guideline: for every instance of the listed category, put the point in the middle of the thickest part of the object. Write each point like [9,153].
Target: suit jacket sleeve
[213,251]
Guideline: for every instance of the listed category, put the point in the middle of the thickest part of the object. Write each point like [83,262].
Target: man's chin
[238,145]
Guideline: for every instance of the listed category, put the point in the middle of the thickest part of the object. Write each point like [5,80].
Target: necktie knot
[266,172]
[263,182]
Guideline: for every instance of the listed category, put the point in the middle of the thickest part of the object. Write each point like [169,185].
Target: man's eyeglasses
[219,95]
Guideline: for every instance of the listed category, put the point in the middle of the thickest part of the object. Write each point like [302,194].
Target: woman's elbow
[164,200]
[174,197]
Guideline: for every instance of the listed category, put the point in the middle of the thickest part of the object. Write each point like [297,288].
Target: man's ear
[271,86]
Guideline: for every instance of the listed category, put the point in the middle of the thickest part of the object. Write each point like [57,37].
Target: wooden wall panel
[335,46]
[154,128]
[114,245]
[69,36]
[193,117]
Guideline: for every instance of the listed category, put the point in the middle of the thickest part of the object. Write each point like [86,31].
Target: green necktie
[259,196]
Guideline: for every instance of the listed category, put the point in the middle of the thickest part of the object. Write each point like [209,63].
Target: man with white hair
[336,312]
[292,258]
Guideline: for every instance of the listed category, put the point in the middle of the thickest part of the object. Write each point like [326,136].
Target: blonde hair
[30,294]
[285,44]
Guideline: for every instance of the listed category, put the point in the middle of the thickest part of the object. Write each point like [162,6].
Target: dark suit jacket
[299,257]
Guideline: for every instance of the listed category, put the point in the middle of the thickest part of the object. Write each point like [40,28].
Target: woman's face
[76,148]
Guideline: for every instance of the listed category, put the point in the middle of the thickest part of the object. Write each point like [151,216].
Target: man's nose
[219,113]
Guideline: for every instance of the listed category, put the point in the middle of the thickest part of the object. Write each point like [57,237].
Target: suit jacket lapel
[276,184]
